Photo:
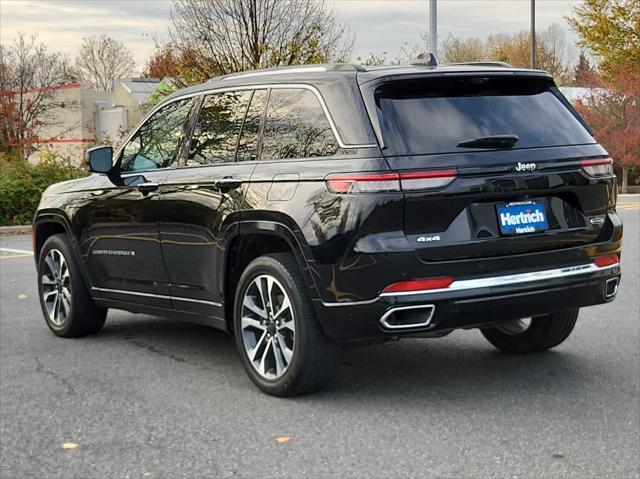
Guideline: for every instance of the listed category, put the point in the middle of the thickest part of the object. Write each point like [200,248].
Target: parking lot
[149,397]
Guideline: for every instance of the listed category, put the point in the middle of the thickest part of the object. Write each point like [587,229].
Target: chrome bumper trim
[492,281]
[520,278]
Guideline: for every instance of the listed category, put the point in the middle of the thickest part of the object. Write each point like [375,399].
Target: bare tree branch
[28,77]
[223,36]
[101,60]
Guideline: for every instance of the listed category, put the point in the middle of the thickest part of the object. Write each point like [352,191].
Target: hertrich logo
[525,167]
[523,220]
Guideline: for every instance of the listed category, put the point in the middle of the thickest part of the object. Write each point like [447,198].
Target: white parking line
[11,250]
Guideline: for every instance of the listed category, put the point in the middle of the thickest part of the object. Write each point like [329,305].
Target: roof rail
[485,64]
[290,70]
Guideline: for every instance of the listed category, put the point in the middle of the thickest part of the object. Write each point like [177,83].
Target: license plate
[522,218]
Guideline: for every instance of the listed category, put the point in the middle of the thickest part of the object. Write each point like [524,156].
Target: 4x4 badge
[427,239]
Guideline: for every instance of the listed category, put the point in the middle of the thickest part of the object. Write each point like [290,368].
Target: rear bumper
[472,302]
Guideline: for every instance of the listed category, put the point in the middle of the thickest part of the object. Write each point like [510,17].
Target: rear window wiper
[494,141]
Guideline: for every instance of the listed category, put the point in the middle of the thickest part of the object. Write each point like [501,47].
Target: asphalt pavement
[153,398]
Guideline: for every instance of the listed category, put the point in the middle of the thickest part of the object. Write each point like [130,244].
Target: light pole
[533,33]
[433,27]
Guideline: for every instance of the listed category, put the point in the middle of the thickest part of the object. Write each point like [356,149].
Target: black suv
[303,208]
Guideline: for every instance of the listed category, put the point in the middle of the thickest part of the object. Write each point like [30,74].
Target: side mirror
[100,159]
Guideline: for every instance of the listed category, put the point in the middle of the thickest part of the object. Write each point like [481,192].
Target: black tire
[314,357]
[544,332]
[84,316]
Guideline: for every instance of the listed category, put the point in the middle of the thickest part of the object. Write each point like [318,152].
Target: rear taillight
[599,167]
[362,182]
[424,180]
[416,285]
[606,260]
[349,183]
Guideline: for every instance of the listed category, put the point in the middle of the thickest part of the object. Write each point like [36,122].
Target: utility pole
[533,33]
[433,27]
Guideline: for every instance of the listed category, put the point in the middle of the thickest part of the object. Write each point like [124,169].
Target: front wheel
[65,300]
[532,334]
[282,347]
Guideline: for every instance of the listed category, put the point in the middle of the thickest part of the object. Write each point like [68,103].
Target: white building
[83,117]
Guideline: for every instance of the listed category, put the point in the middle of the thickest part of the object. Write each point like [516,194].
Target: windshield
[435,115]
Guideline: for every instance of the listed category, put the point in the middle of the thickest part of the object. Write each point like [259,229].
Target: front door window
[157,142]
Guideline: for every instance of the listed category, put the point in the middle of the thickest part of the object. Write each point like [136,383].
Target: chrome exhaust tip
[408,317]
[611,287]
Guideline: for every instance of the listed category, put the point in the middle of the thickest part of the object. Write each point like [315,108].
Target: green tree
[611,30]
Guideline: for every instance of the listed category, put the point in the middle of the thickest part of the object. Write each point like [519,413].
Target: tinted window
[434,115]
[216,133]
[251,128]
[157,142]
[296,127]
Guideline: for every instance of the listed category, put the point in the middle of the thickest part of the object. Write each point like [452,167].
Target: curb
[15,230]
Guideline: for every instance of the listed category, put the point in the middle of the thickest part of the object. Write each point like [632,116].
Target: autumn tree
[583,71]
[458,50]
[164,62]
[551,52]
[28,75]
[611,30]
[102,59]
[213,37]
[612,109]
[183,65]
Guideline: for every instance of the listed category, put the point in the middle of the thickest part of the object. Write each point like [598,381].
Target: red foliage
[164,62]
[612,109]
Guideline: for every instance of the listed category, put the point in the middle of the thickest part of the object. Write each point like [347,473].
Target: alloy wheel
[56,288]
[268,327]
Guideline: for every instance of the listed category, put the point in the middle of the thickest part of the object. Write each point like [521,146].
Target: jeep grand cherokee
[307,207]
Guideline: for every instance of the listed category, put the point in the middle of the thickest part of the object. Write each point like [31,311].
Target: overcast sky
[378,26]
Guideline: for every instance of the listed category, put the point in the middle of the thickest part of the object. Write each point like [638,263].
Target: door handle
[149,186]
[228,183]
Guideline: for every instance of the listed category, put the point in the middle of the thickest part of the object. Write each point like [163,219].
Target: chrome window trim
[288,71]
[152,295]
[213,90]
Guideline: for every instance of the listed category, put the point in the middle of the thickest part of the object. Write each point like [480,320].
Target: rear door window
[434,115]
[296,126]
[248,144]
[215,136]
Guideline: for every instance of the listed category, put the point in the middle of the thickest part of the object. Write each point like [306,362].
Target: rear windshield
[434,115]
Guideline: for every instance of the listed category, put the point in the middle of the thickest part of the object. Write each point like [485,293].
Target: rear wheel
[532,334]
[282,348]
[66,304]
